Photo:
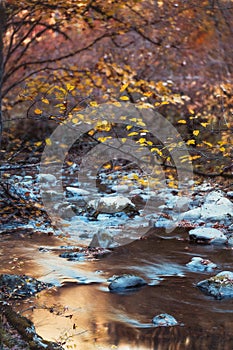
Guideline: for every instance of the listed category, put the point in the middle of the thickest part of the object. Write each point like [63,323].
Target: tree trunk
[2,31]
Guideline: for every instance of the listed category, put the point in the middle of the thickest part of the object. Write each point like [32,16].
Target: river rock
[207,235]
[47,179]
[120,188]
[199,264]
[219,286]
[164,320]
[17,286]
[193,214]
[182,204]
[102,239]
[126,282]
[216,207]
[77,192]
[230,194]
[111,205]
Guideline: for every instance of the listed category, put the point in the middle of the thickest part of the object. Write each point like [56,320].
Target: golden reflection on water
[89,317]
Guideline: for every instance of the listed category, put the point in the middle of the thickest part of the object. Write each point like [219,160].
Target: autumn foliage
[170,56]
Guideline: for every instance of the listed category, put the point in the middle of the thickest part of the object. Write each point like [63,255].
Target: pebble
[126,282]
[164,320]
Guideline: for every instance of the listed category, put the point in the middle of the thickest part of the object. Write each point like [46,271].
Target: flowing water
[82,313]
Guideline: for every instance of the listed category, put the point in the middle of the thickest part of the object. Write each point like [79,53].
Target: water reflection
[89,317]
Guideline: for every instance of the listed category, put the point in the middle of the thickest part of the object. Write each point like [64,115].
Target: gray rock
[77,192]
[199,264]
[219,286]
[47,179]
[207,235]
[230,194]
[120,188]
[126,282]
[182,204]
[216,207]
[111,205]
[164,320]
[164,223]
[193,214]
[230,241]
[102,239]
[65,210]
[19,286]
[204,187]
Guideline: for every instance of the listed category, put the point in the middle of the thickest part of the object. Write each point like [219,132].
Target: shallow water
[81,312]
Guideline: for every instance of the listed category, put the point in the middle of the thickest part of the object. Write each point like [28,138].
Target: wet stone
[199,264]
[73,256]
[219,286]
[126,282]
[164,320]
[111,205]
[207,235]
[85,254]
[20,286]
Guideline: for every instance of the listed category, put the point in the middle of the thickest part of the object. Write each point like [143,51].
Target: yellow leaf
[124,87]
[48,142]
[69,163]
[128,127]
[70,87]
[182,121]
[37,144]
[190,142]
[191,110]
[194,157]
[103,125]
[222,149]
[135,176]
[93,104]
[142,140]
[103,139]
[45,100]
[37,111]
[107,166]
[91,132]
[196,132]
[150,143]
[124,98]
[208,143]
[75,120]
[133,133]
[204,124]
[148,93]
[155,149]
[123,140]
[140,123]
[117,104]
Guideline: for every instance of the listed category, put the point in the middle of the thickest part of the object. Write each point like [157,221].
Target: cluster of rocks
[19,286]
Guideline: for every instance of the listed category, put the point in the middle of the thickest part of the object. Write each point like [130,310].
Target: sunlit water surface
[81,313]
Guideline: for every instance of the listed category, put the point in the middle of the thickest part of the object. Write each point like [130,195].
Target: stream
[81,313]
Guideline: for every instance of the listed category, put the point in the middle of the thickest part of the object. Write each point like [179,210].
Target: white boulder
[207,235]
[216,207]
[111,205]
